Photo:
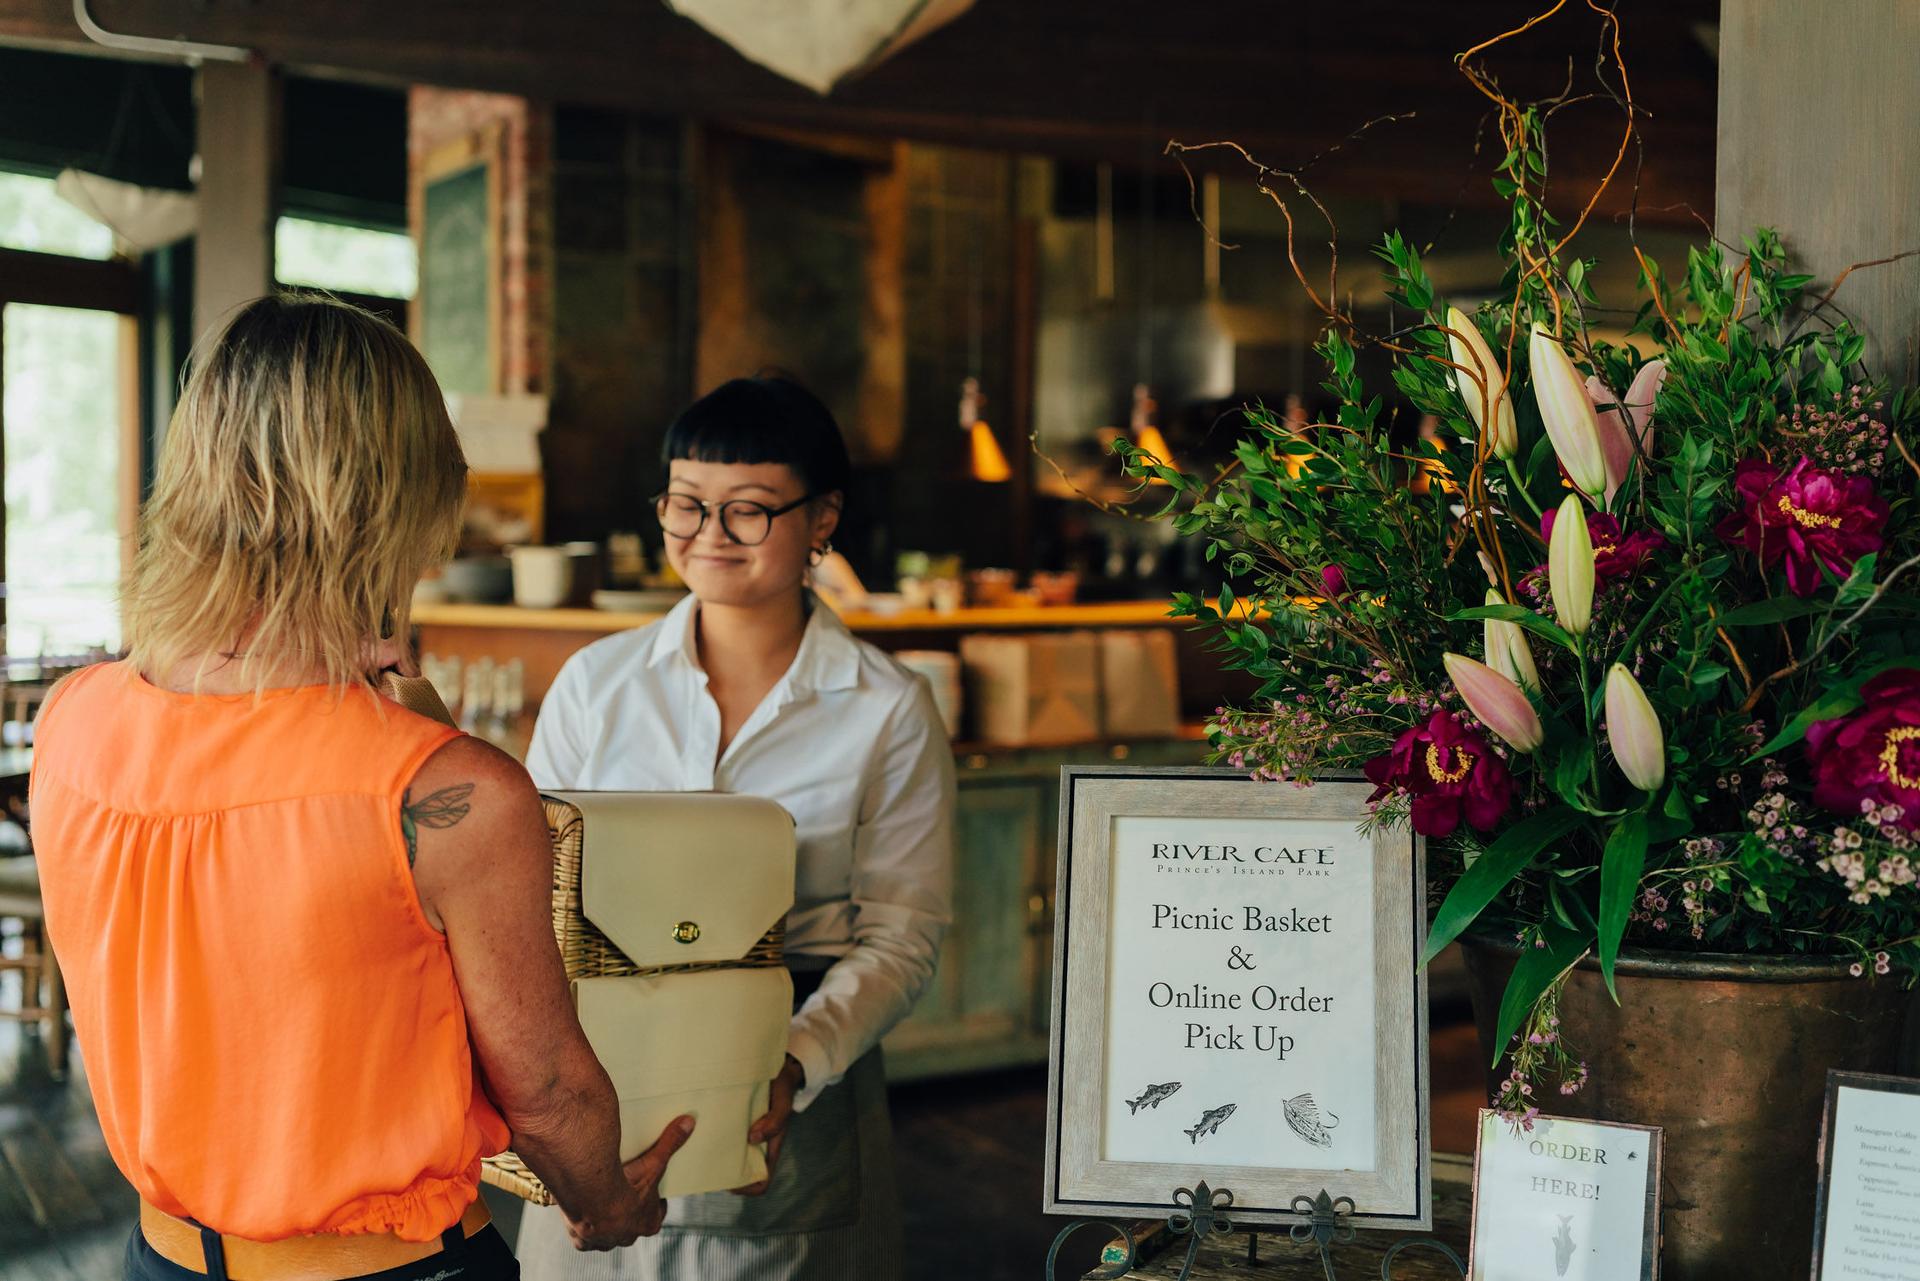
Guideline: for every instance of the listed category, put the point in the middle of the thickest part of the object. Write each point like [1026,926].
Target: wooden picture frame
[1907,1150]
[450,234]
[1570,1132]
[1110,1036]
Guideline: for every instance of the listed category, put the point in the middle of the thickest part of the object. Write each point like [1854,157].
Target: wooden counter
[1141,613]
[543,639]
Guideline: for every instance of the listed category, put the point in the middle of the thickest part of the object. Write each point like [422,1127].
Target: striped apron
[831,1213]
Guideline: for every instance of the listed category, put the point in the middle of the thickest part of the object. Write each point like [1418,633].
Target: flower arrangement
[1634,641]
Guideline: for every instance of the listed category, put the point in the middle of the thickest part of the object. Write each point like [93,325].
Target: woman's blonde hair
[309,477]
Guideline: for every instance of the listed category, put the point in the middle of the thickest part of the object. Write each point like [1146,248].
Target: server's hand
[646,1170]
[771,1129]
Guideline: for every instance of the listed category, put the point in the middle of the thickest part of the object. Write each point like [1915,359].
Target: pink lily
[1500,704]
[1566,413]
[1611,414]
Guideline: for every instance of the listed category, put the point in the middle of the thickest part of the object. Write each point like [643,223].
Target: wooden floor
[968,1156]
[64,1209]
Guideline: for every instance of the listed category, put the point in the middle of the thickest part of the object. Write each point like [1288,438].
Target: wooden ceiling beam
[1076,78]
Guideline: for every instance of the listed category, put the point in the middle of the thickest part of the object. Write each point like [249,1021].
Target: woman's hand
[771,1129]
[642,1214]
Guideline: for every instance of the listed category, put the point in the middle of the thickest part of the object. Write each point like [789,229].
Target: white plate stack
[941,670]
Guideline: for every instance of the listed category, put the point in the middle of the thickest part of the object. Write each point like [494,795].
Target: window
[33,217]
[67,457]
[361,260]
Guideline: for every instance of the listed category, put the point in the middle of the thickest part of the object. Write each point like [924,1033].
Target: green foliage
[1730,852]
[1493,871]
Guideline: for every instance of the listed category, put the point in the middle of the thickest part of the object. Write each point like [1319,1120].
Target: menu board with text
[1870,1185]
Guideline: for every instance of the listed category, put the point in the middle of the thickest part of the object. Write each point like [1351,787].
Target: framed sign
[1865,1227]
[456,216]
[1235,999]
[1567,1198]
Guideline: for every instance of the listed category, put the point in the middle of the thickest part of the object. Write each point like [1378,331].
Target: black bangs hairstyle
[762,420]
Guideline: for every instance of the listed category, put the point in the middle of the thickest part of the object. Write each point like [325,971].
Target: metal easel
[1202,1211]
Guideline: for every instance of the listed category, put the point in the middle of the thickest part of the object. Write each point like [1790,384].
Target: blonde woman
[295,918]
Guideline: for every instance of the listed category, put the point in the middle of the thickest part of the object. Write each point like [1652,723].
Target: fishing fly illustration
[1303,1116]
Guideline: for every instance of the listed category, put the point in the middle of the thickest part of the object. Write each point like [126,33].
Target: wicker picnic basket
[628,890]
[588,953]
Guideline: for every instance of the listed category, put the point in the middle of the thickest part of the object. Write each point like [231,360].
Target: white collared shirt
[848,741]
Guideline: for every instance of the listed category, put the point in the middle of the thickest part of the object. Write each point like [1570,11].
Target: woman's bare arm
[482,865]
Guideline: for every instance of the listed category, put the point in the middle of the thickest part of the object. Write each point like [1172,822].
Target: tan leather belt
[308,1258]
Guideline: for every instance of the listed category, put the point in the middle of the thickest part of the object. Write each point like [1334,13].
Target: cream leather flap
[680,877]
[704,1045]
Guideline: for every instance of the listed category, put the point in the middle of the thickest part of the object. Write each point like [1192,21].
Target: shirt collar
[829,657]
[675,635]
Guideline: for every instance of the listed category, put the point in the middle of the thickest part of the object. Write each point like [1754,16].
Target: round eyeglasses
[742,520]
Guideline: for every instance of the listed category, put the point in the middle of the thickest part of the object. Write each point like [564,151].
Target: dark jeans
[484,1256]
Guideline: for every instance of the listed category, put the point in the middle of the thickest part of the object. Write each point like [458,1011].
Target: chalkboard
[457,280]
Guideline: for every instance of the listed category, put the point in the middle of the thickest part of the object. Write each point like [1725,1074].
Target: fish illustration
[1210,1121]
[1563,1246]
[1154,1097]
[1303,1115]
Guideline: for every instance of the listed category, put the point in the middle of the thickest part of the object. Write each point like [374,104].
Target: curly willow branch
[1262,172]
[1537,261]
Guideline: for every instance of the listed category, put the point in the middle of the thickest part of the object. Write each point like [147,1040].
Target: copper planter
[1730,1055]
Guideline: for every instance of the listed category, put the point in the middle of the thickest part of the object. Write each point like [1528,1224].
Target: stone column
[239,144]
[1818,137]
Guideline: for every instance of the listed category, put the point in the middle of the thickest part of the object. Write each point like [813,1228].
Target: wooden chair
[43,996]
[19,705]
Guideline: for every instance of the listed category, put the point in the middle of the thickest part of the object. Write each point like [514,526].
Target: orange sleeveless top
[271,1027]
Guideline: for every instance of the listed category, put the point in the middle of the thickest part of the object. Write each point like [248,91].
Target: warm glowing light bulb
[1151,441]
[989,461]
[1147,438]
[985,461]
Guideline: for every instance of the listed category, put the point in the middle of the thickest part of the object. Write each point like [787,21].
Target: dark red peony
[1614,555]
[1872,755]
[1449,771]
[1806,517]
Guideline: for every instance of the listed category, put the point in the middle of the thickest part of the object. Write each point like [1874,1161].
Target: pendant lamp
[1147,437]
[1145,432]
[819,43]
[141,218]
[985,459]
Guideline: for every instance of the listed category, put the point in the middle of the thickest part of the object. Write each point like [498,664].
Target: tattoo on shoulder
[443,808]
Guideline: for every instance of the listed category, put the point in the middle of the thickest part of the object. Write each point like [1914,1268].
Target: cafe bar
[958,640]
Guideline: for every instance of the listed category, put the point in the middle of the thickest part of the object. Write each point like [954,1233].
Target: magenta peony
[1614,555]
[1806,517]
[1872,755]
[1449,771]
